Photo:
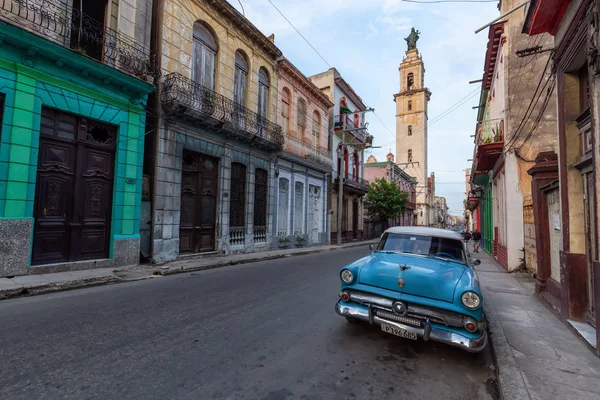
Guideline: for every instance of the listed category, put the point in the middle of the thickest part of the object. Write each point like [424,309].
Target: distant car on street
[417,282]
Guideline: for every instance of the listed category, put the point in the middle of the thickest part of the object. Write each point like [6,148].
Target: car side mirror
[477,261]
[371,247]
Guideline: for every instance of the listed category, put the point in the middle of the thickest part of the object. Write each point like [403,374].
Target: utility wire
[449,1]
[296,29]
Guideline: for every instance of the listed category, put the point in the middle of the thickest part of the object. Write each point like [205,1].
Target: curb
[511,385]
[58,287]
[192,268]
[120,275]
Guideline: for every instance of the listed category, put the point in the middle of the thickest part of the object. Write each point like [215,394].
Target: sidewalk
[45,283]
[537,356]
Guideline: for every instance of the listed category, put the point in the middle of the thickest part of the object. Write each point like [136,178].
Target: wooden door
[198,203]
[73,198]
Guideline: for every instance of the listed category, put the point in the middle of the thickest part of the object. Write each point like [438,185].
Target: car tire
[352,320]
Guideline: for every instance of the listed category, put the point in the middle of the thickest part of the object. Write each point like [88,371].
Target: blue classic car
[417,282]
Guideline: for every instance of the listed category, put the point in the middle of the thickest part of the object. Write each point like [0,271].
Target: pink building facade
[391,172]
[304,163]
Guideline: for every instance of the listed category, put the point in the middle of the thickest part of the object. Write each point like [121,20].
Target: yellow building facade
[214,169]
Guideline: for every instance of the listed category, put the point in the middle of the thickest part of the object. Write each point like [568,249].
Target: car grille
[398,318]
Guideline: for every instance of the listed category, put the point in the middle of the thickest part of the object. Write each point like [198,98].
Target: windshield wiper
[389,252]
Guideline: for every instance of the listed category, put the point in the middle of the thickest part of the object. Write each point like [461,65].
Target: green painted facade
[56,77]
[487,218]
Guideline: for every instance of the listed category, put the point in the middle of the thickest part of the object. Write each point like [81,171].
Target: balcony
[490,144]
[411,205]
[354,185]
[345,122]
[74,30]
[309,152]
[187,100]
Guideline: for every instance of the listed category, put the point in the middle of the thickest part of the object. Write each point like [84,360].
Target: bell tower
[411,121]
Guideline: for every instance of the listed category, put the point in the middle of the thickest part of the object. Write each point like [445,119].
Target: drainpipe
[154,100]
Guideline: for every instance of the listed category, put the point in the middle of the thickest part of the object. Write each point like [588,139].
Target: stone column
[225,188]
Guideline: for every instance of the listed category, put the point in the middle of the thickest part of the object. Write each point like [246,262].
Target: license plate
[398,332]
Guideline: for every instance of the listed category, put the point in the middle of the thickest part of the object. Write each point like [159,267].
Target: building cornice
[414,92]
[243,24]
[304,82]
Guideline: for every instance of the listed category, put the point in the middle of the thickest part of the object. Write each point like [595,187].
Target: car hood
[424,276]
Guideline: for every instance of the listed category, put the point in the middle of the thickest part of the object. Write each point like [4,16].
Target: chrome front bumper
[428,332]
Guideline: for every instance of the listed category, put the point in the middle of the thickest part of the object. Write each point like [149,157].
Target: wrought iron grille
[260,198]
[182,96]
[238,195]
[75,30]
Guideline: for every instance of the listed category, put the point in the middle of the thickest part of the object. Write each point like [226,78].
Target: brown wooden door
[198,203]
[73,199]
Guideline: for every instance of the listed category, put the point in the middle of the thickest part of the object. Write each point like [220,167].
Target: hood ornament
[401,283]
[404,267]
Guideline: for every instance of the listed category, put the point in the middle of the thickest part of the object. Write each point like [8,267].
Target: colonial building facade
[348,141]
[514,124]
[302,168]
[214,170]
[74,81]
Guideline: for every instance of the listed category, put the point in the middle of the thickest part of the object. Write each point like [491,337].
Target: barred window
[298,208]
[410,130]
[409,155]
[283,206]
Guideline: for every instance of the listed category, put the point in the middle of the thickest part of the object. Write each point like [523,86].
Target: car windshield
[432,246]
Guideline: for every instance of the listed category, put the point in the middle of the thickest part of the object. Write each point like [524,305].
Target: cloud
[363,39]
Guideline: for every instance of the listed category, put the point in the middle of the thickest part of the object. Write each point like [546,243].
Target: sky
[364,40]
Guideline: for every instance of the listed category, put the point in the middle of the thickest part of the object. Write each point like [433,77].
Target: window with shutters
[205,56]
[316,129]
[285,109]
[298,208]
[263,93]
[238,195]
[240,86]
[410,130]
[301,117]
[409,155]
[283,207]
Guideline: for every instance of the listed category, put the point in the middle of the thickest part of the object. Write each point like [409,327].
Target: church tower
[411,123]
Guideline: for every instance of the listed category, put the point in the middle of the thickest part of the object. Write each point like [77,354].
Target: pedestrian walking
[467,237]
[476,241]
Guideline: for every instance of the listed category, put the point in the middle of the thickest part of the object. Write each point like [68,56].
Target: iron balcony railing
[184,98]
[490,131]
[303,149]
[70,28]
[354,182]
[346,122]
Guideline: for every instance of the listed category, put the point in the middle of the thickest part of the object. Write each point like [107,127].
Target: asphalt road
[265,330]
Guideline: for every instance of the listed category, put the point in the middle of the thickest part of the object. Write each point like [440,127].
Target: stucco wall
[313,105]
[179,19]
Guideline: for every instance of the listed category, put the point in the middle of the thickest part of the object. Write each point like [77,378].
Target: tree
[384,201]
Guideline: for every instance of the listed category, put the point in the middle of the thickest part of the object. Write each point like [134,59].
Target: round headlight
[347,276]
[470,300]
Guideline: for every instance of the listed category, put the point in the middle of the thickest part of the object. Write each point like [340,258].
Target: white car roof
[425,231]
